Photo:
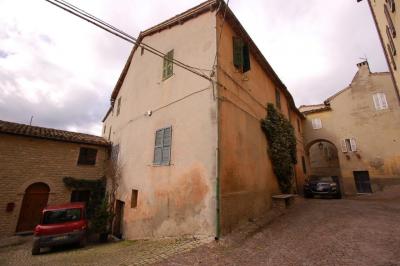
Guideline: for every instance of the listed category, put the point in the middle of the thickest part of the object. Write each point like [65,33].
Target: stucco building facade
[386,16]
[191,150]
[355,134]
[33,163]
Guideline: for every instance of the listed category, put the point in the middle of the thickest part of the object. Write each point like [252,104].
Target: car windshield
[323,179]
[61,216]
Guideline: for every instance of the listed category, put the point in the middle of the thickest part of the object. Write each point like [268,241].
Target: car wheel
[338,196]
[36,248]
[83,242]
[308,195]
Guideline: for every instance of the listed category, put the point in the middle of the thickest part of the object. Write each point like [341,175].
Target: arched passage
[323,158]
[35,199]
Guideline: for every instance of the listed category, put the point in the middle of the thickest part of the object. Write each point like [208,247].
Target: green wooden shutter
[246,58]
[238,53]
[168,66]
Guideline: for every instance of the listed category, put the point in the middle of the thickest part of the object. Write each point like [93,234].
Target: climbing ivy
[281,146]
[97,191]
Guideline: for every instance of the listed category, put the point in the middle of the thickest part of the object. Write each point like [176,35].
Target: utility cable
[111,29]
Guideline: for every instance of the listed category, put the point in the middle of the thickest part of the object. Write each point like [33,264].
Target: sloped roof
[204,7]
[50,133]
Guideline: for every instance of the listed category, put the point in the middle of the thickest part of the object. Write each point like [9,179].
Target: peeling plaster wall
[377,133]
[246,175]
[178,199]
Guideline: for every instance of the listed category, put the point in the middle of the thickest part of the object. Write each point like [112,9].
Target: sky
[61,70]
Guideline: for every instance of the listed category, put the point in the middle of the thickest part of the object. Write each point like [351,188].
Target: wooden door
[362,180]
[35,199]
[119,214]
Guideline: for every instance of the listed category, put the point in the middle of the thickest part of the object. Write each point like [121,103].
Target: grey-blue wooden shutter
[158,147]
[166,152]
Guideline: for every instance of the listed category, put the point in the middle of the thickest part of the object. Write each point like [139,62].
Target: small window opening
[134,198]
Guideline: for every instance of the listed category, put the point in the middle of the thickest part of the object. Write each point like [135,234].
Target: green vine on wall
[97,191]
[281,146]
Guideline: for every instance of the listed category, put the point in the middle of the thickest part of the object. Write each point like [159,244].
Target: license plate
[60,238]
[320,188]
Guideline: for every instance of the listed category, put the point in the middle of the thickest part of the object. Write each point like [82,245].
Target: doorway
[363,183]
[119,214]
[35,199]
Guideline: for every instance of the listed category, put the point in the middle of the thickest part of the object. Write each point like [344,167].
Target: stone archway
[35,199]
[323,159]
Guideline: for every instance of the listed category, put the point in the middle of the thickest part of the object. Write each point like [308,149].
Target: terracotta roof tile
[50,133]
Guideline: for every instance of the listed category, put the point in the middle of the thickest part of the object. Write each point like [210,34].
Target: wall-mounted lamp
[320,146]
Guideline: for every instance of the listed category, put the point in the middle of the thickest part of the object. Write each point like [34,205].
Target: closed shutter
[168,66]
[246,58]
[238,52]
[162,146]
[343,145]
[158,147]
[166,152]
[383,101]
[353,145]
[376,101]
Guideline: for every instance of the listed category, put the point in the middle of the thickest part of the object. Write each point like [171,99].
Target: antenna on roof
[30,122]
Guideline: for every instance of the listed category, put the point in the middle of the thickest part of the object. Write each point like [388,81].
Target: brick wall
[27,160]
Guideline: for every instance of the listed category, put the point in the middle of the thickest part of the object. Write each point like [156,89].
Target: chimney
[363,65]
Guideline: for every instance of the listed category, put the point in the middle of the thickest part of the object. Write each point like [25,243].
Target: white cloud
[62,70]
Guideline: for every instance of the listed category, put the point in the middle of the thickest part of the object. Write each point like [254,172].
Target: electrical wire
[115,31]
[220,34]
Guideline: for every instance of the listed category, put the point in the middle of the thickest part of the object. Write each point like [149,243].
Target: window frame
[83,151]
[241,54]
[315,125]
[348,145]
[380,101]
[168,65]
[162,146]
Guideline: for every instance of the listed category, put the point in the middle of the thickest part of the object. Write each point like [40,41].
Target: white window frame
[349,145]
[316,123]
[380,101]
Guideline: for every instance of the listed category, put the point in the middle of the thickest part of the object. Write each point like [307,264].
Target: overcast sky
[61,69]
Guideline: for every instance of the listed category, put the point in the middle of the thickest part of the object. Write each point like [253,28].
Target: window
[392,5]
[349,145]
[391,43]
[142,50]
[278,98]
[87,156]
[162,147]
[391,56]
[168,66]
[119,106]
[316,123]
[134,198]
[104,129]
[80,196]
[390,22]
[303,162]
[241,55]
[61,216]
[380,101]
[109,133]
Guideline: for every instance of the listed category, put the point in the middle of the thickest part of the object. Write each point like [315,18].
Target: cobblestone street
[363,230]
